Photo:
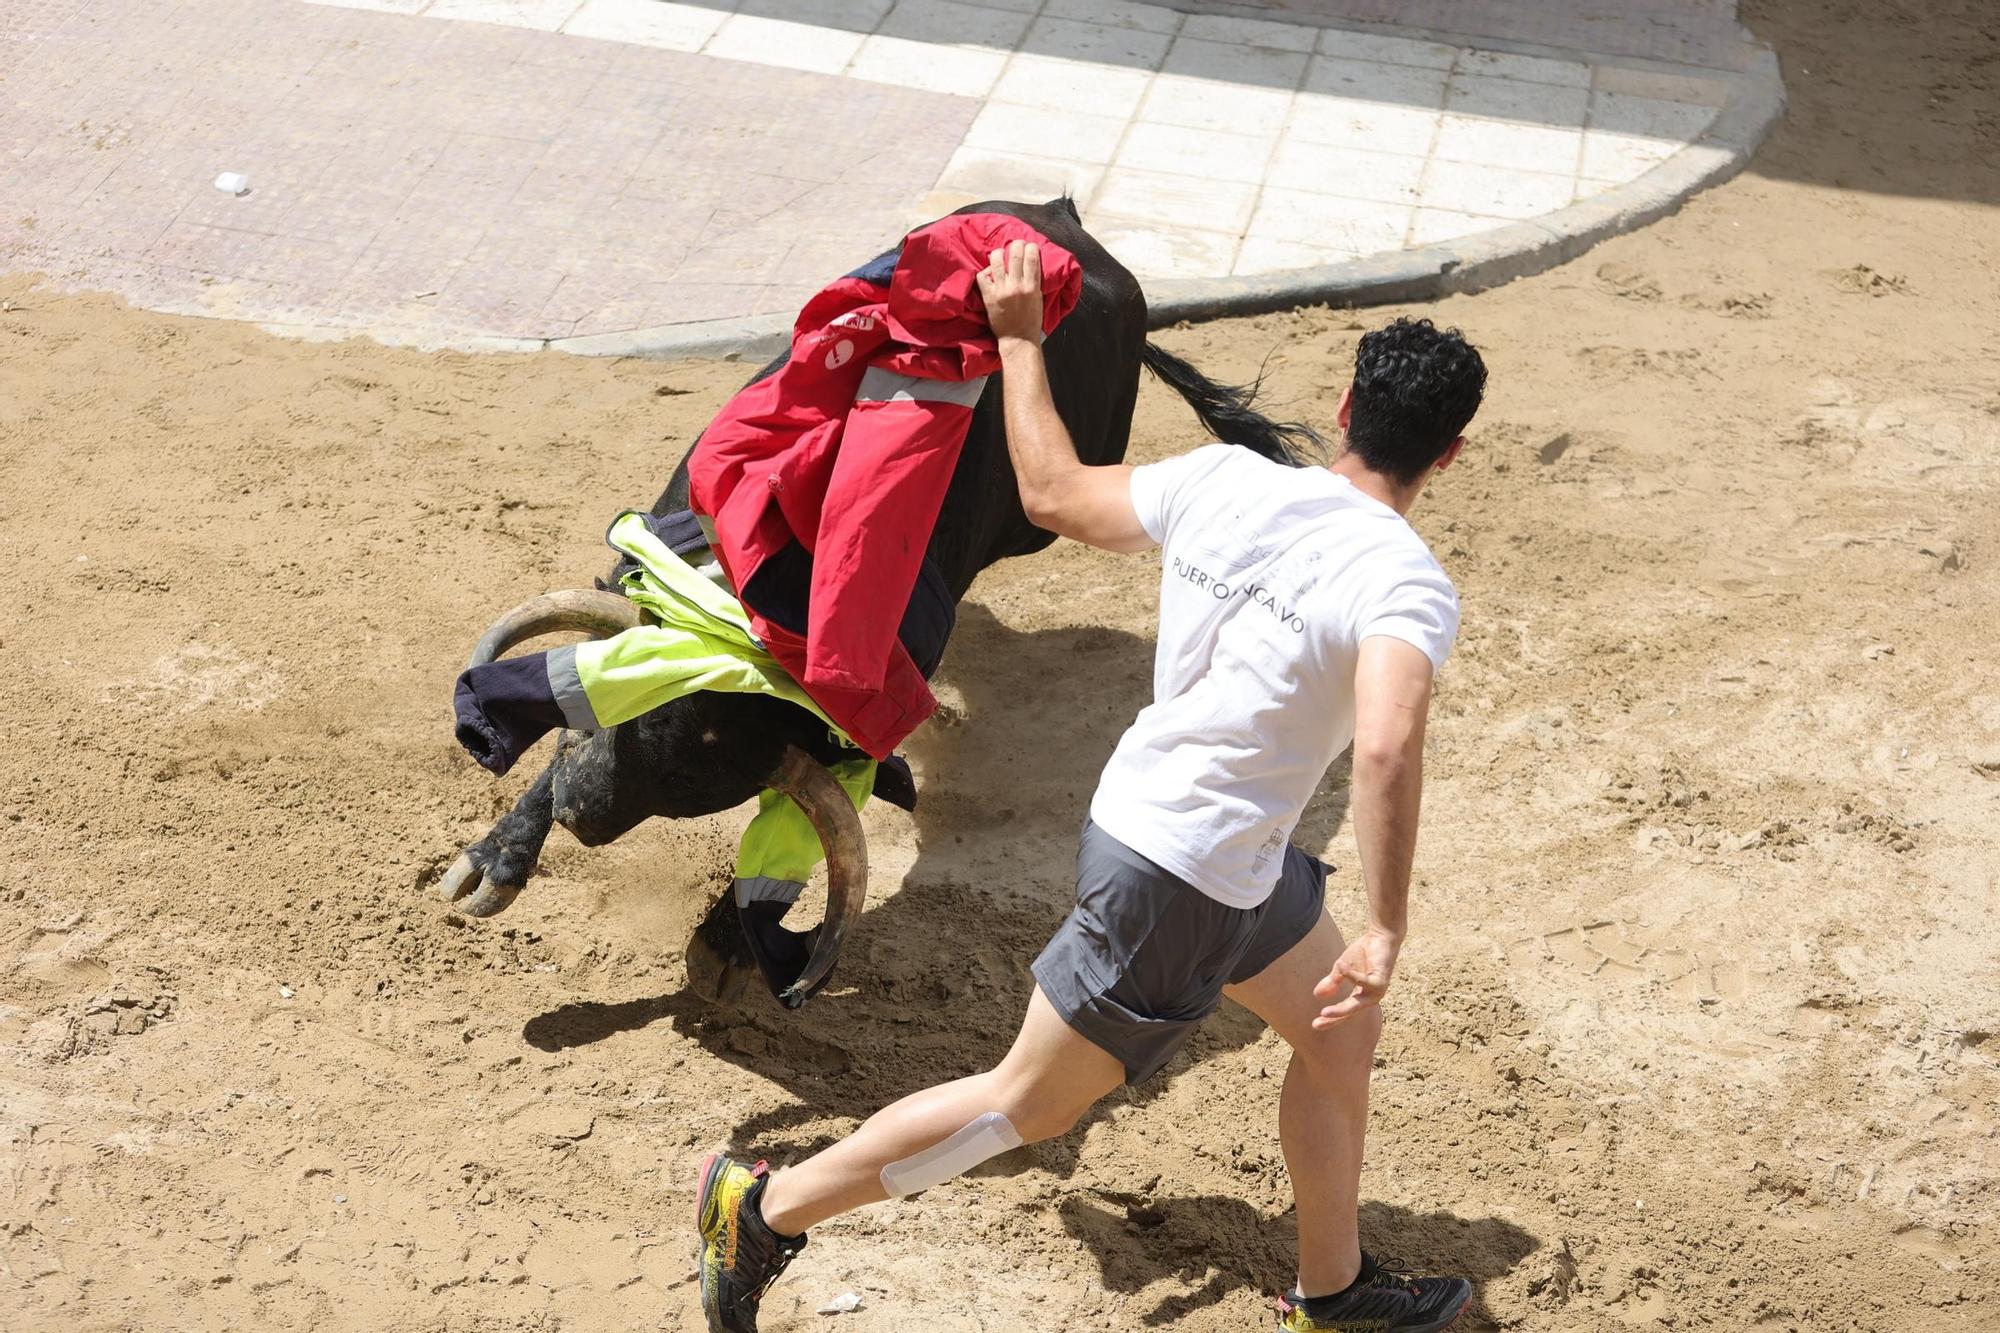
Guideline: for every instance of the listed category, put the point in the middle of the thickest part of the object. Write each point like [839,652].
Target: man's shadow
[935,979]
[1218,1245]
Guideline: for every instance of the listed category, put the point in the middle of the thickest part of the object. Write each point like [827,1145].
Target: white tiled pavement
[605,174]
[1200,145]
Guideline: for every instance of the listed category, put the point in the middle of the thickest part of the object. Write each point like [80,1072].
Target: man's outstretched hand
[1359,978]
[1012,289]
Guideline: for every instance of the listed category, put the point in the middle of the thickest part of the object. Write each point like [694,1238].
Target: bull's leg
[604,784]
[489,874]
[580,789]
[720,965]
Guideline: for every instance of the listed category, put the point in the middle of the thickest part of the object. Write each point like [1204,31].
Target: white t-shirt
[1271,577]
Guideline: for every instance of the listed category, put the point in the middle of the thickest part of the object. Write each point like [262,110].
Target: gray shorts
[1143,957]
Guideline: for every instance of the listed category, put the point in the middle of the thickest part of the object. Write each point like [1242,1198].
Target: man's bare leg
[1043,1086]
[1323,1109]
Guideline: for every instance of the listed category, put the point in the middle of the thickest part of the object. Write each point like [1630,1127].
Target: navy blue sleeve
[503,708]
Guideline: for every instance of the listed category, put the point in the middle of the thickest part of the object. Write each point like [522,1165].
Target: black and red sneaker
[740,1255]
[1382,1300]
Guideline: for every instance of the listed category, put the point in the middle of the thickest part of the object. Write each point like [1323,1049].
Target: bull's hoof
[465,889]
[719,967]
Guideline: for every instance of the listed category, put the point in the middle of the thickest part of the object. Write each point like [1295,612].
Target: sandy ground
[1697,1029]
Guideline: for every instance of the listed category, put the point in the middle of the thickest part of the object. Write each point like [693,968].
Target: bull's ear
[895,783]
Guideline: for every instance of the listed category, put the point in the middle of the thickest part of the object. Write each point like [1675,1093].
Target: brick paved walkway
[473,171]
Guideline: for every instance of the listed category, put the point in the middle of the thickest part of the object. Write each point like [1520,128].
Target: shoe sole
[710,1165]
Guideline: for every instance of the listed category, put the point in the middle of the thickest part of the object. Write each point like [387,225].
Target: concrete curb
[757,337]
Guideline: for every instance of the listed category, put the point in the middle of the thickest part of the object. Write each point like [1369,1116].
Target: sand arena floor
[1696,1030]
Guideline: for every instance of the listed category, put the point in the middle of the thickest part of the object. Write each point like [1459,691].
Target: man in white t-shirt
[1298,613]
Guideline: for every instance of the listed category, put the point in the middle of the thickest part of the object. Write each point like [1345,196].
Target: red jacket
[848,449]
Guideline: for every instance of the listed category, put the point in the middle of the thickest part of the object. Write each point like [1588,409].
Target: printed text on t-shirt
[1260,593]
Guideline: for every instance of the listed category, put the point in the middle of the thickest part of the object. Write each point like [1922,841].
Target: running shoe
[1382,1300]
[740,1255]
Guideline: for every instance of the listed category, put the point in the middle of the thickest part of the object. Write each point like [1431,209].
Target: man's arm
[1088,504]
[1392,697]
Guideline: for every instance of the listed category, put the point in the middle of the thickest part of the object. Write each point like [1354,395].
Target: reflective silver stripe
[764,889]
[567,687]
[886,386]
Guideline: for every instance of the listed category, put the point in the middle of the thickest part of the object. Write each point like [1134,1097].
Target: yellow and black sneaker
[1382,1300]
[740,1255]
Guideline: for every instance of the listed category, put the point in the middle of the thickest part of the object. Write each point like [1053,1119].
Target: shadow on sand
[1218,1245]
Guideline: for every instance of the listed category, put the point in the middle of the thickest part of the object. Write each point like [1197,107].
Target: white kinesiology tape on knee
[988,1136]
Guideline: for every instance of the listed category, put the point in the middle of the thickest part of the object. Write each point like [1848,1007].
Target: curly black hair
[1416,387]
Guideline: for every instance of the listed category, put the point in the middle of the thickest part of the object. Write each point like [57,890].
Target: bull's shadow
[1217,1245]
[935,978]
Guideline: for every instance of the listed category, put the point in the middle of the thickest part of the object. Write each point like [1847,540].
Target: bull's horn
[833,816]
[590,610]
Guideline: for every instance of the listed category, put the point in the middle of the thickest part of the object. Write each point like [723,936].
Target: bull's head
[798,775]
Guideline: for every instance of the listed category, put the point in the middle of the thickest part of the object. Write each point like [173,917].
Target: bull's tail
[1229,411]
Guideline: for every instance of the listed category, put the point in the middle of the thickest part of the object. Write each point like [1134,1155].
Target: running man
[1298,612]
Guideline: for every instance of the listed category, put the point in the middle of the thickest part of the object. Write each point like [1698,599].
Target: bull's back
[1094,362]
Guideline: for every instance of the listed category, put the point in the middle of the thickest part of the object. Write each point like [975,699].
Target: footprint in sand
[1861,280]
[1632,284]
[200,676]
[1618,951]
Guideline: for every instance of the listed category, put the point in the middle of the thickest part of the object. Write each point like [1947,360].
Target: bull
[709,752]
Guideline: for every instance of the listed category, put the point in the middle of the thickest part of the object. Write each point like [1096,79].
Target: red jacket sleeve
[903,440]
